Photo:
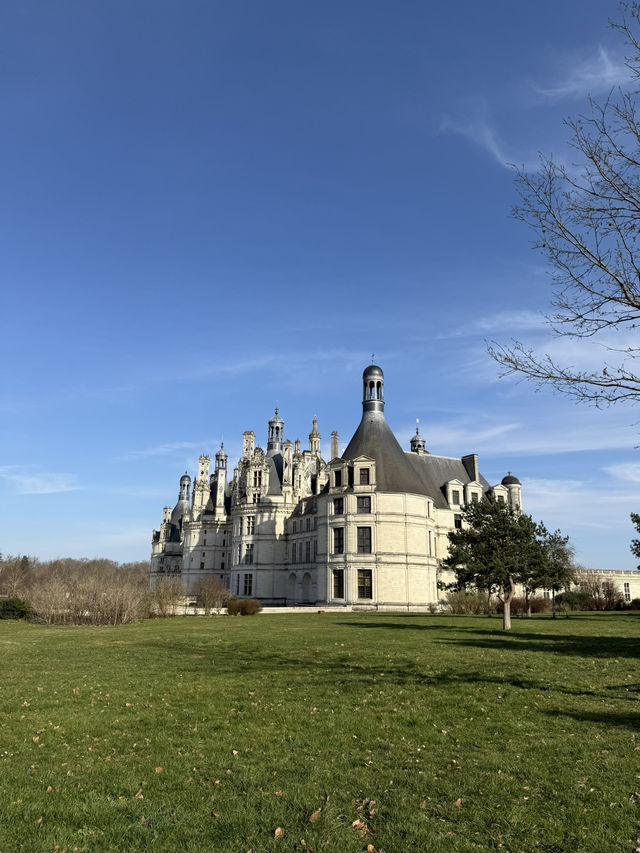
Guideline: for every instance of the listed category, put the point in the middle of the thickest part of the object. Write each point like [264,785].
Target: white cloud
[479,132]
[577,504]
[626,471]
[166,448]
[592,76]
[27,481]
[505,322]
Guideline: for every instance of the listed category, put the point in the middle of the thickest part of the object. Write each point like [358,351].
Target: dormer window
[455,497]
[364,476]
[337,478]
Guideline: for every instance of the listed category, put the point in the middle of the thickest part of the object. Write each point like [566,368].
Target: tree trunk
[527,596]
[553,604]
[506,605]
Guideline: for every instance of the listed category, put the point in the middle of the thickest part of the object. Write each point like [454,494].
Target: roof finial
[373,358]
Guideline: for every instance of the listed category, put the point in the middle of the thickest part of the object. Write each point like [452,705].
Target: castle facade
[365,529]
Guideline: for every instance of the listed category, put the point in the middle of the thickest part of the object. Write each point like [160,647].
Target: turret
[276,430]
[373,389]
[314,437]
[201,487]
[514,487]
[185,487]
[418,444]
[221,481]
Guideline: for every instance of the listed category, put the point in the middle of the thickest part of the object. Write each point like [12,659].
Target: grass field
[324,732]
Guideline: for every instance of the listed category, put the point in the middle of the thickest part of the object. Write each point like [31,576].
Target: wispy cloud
[578,504]
[594,75]
[166,449]
[503,322]
[28,481]
[626,471]
[480,133]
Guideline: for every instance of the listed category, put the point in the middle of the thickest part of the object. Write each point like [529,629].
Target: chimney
[335,453]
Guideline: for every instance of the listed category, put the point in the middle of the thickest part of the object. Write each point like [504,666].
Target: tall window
[364,583]
[455,497]
[500,499]
[293,553]
[364,505]
[364,476]
[364,540]
[457,521]
[238,584]
[239,553]
[257,478]
[248,558]
[474,497]
[627,592]
[338,540]
[248,584]
[337,478]
[338,583]
[308,523]
[307,551]
[315,550]
[338,506]
[251,524]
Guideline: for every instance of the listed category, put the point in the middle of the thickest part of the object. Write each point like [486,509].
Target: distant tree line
[102,592]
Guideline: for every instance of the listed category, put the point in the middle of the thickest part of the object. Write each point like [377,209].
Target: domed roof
[222,453]
[185,478]
[276,419]
[510,480]
[373,372]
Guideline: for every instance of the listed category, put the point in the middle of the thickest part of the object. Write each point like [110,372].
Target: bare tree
[586,222]
[212,593]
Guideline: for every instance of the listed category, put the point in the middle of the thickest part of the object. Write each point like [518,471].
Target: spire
[314,437]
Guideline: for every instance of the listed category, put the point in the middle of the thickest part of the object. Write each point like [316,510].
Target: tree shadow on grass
[626,720]
[492,637]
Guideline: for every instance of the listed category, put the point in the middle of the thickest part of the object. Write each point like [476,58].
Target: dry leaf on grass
[158,769]
[459,801]
[361,826]
[279,832]
[314,817]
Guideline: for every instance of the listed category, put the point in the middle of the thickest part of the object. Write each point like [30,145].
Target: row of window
[364,478]
[475,497]
[365,583]
[246,525]
[297,551]
[363,505]
[307,524]
[363,540]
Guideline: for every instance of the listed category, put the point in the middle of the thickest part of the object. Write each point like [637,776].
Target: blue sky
[209,209]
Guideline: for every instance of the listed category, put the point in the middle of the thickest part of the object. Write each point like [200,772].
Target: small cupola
[221,457]
[276,432]
[373,389]
[418,444]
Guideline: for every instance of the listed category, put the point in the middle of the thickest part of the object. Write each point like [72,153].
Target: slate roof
[400,471]
[394,473]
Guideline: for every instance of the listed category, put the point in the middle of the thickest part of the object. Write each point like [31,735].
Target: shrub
[463,602]
[243,606]
[634,604]
[15,608]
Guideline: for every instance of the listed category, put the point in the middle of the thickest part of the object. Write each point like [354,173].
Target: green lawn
[432,733]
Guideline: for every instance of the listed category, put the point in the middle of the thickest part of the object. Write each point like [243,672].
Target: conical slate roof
[394,472]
